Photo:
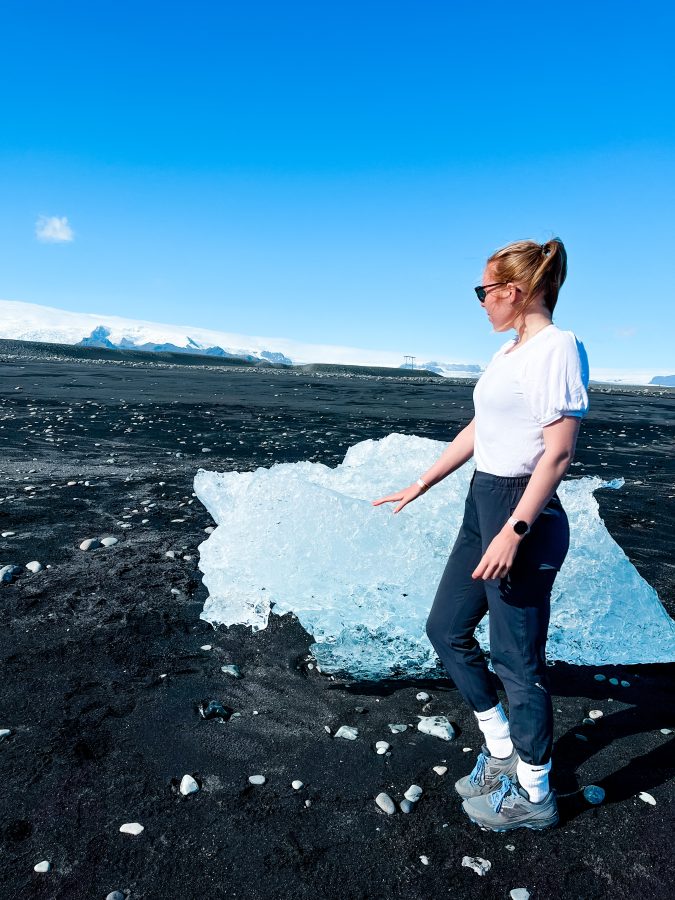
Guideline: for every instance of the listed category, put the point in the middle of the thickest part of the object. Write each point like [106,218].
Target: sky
[338,173]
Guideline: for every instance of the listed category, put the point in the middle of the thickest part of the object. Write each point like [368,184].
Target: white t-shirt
[521,392]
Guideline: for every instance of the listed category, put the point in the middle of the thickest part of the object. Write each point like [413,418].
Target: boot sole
[535,826]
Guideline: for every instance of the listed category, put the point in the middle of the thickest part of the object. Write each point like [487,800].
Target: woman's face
[498,303]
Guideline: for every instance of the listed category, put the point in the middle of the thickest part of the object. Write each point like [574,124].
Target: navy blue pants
[519,606]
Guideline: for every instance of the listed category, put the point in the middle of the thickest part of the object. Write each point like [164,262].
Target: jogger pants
[519,608]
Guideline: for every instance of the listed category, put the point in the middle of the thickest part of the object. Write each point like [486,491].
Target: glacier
[305,538]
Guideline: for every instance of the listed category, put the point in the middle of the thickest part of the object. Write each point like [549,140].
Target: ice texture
[304,538]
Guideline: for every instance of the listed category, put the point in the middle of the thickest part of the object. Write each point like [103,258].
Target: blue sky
[338,172]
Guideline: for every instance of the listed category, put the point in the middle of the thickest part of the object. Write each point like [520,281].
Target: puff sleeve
[555,382]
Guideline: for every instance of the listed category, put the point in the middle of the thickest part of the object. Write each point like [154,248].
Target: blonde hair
[537,267]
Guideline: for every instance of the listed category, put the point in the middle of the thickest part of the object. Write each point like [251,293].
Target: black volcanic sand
[99,738]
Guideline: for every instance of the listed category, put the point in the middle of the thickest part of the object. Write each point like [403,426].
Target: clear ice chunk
[305,538]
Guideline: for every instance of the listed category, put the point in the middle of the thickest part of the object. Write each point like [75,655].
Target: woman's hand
[499,556]
[406,495]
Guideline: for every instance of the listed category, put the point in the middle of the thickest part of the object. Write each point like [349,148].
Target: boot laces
[477,777]
[505,794]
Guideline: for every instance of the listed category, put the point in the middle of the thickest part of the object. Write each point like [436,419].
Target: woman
[528,403]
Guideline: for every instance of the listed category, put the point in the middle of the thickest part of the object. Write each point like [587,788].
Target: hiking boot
[485,775]
[510,807]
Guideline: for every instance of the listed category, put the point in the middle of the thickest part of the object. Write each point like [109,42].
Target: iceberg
[305,538]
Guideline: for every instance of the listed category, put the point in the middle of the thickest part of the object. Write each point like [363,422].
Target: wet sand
[99,738]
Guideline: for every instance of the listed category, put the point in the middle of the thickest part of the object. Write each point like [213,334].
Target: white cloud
[53,229]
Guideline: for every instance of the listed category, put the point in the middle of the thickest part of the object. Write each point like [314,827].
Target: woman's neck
[531,326]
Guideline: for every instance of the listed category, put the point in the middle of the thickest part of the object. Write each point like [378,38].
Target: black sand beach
[99,738]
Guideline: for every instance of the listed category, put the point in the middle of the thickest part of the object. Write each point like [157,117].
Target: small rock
[600,677]
[666,731]
[406,806]
[413,793]
[588,721]
[581,737]
[643,795]
[131,828]
[109,541]
[256,779]
[43,866]
[477,863]
[206,647]
[613,680]
[381,747]
[424,860]
[171,554]
[595,714]
[385,803]
[397,729]
[214,709]
[438,726]
[346,731]
[188,785]
[440,770]
[231,670]
[519,894]
[115,895]
[625,684]
[209,529]
[34,566]
[422,696]
[90,544]
[594,794]
[296,785]
[7,534]
[510,847]
[4,732]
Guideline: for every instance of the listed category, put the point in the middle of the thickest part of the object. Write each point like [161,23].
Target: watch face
[521,527]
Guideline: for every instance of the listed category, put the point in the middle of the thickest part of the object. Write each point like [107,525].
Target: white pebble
[519,894]
[296,785]
[477,863]
[346,731]
[422,696]
[595,714]
[34,566]
[8,534]
[466,749]
[381,747]
[43,866]
[440,770]
[424,860]
[510,847]
[209,529]
[89,544]
[256,779]
[413,793]
[613,680]
[397,729]
[643,795]
[438,726]
[385,803]
[115,895]
[4,732]
[170,553]
[666,731]
[131,828]
[600,677]
[109,541]
[205,647]
[188,785]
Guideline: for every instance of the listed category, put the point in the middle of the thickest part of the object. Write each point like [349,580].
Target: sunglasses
[481,293]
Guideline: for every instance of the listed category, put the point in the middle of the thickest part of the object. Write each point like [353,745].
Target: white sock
[534,779]
[495,726]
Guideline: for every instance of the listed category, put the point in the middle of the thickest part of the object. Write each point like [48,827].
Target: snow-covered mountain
[31,322]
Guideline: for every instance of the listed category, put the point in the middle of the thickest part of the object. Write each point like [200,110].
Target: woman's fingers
[388,499]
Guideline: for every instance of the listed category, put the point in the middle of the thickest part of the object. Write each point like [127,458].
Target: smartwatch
[520,526]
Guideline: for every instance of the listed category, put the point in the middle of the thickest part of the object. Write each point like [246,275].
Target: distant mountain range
[31,322]
[46,324]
